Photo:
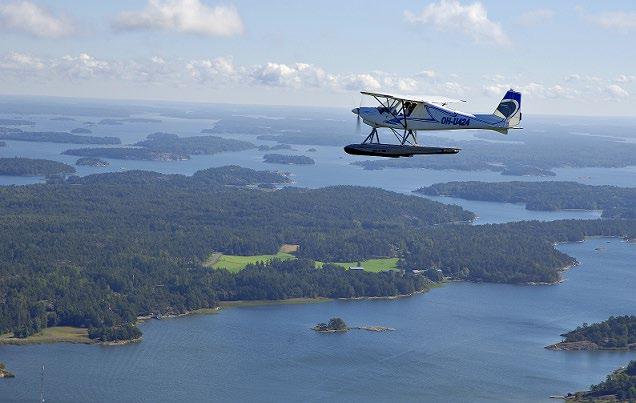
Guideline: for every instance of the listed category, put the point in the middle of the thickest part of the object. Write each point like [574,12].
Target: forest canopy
[615,202]
[99,250]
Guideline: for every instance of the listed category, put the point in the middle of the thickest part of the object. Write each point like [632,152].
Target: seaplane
[404,116]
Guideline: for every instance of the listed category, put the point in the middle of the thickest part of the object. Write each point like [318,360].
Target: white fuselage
[429,117]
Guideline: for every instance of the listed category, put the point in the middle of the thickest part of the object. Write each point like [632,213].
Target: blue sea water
[462,342]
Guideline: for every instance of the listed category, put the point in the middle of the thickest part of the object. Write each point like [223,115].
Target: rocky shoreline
[4,373]
[585,346]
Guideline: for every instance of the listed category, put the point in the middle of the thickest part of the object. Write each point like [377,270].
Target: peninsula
[619,386]
[33,167]
[615,333]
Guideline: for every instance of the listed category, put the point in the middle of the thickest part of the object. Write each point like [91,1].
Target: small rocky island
[615,333]
[338,325]
[4,373]
[92,162]
[334,325]
[526,170]
[288,159]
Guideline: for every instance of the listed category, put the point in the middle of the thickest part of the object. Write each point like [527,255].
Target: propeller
[358,120]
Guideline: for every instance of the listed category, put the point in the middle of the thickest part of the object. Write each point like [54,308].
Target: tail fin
[510,109]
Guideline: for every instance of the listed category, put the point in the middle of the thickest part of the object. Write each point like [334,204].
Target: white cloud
[451,15]
[210,70]
[186,16]
[426,74]
[579,78]
[20,63]
[616,92]
[533,90]
[357,82]
[453,88]
[83,66]
[222,71]
[493,77]
[619,20]
[625,78]
[31,19]
[495,89]
[296,75]
[536,17]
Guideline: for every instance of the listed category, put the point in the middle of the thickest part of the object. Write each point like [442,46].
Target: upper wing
[427,99]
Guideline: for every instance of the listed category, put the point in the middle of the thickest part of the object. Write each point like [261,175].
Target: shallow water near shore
[461,342]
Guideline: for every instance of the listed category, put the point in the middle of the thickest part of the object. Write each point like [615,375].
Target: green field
[55,334]
[374,265]
[235,263]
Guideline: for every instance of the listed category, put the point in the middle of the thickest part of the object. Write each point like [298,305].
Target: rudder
[510,108]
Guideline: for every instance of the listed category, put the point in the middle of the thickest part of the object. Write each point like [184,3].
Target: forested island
[524,170]
[615,202]
[619,386]
[92,162]
[288,159]
[334,325]
[117,122]
[195,145]
[98,251]
[56,137]
[615,333]
[33,167]
[165,147]
[527,156]
[127,153]
[275,147]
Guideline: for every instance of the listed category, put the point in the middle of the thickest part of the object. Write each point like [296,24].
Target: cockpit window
[384,109]
[409,107]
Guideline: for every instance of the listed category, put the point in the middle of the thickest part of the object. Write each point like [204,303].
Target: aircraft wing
[427,99]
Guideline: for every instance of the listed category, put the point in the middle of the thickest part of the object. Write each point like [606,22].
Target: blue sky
[567,57]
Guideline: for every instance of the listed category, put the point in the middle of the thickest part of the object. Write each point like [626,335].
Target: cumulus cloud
[211,70]
[616,92]
[427,74]
[625,78]
[618,20]
[186,16]
[83,66]
[536,17]
[20,63]
[216,72]
[451,15]
[356,82]
[295,75]
[28,18]
[532,90]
